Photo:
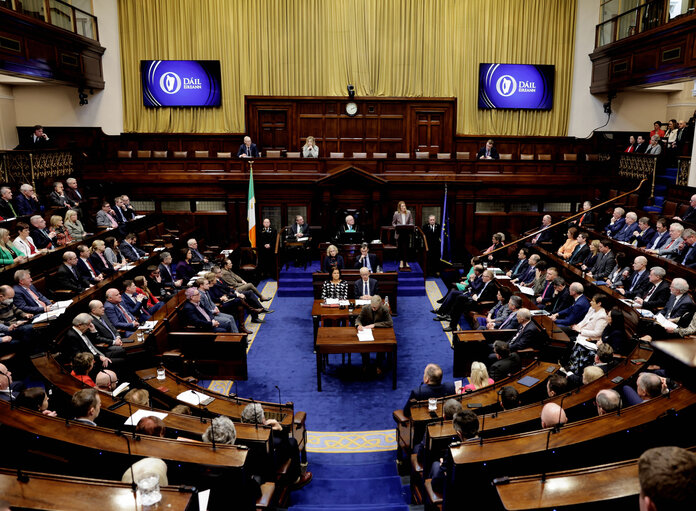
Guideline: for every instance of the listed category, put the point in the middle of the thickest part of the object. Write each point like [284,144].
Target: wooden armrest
[300,418]
[435,498]
[400,418]
[415,465]
[264,501]
[282,470]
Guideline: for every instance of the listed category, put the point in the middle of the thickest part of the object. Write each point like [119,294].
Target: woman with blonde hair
[402,216]
[62,235]
[333,259]
[74,227]
[592,258]
[478,379]
[9,253]
[310,149]
[99,261]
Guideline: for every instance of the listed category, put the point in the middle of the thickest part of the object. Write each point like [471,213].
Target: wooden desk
[58,493]
[332,314]
[345,340]
[351,253]
[388,283]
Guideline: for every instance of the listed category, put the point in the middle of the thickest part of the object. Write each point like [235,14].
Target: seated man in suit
[556,385]
[72,191]
[689,214]
[527,336]
[196,256]
[193,314]
[366,260]
[467,302]
[67,276]
[670,250]
[629,228]
[168,272]
[546,295]
[247,149]
[15,327]
[488,152]
[576,312]
[27,298]
[508,363]
[657,294]
[226,321]
[605,262]
[58,198]
[9,390]
[432,386]
[104,332]
[239,284]
[687,251]
[365,287]
[679,310]
[586,218]
[508,322]
[7,209]
[616,223]
[466,425]
[129,250]
[667,478]
[155,283]
[135,303]
[644,235]
[638,280]
[648,386]
[126,208]
[608,400]
[85,267]
[509,398]
[77,340]
[118,315]
[106,216]
[348,226]
[561,297]
[27,203]
[297,231]
[552,415]
[520,267]
[544,235]
[43,238]
[375,315]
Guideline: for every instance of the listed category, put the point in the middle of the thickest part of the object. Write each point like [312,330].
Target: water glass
[149,490]
[161,374]
[432,404]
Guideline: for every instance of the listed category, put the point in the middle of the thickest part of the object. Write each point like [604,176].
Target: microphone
[200,407]
[212,432]
[130,455]
[236,393]
[546,450]
[279,401]
[557,427]
[483,423]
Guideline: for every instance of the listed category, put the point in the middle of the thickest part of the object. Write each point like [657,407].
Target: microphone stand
[200,406]
[134,487]
[236,393]
[546,450]
[212,432]
[483,423]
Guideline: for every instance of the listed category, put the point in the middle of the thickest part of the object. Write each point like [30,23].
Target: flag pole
[251,207]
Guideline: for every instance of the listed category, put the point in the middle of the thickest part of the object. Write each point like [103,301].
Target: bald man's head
[552,415]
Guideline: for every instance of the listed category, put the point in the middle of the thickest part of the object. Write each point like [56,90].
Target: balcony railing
[58,14]
[639,19]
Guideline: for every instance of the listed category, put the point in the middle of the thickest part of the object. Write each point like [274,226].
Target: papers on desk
[343,303]
[126,267]
[304,238]
[646,313]
[361,303]
[158,249]
[47,316]
[496,271]
[502,276]
[226,253]
[629,302]
[526,290]
[366,335]
[664,322]
[193,398]
[331,301]
[120,389]
[64,304]
[138,217]
[539,312]
[203,498]
[148,325]
[139,414]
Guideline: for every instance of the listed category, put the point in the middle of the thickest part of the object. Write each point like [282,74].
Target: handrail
[565,220]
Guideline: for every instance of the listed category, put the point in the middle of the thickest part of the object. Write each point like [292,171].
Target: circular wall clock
[351,108]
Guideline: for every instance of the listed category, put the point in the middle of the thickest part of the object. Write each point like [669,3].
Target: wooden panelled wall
[387,125]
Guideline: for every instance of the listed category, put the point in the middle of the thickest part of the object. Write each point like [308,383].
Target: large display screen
[516,86]
[181,82]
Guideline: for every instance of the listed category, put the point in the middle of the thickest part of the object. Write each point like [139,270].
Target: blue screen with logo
[516,86]
[181,82]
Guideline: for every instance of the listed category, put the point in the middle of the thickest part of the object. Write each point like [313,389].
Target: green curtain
[397,48]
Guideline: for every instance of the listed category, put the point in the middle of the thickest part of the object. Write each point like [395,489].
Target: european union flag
[445,247]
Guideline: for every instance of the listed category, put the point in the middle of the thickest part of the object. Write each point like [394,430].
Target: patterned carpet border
[341,442]
[434,294]
[269,289]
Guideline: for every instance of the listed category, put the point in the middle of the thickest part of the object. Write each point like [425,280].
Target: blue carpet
[282,355]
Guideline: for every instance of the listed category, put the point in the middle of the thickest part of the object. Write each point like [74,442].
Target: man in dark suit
[105,332]
[119,215]
[680,303]
[432,386]
[605,262]
[544,235]
[638,281]
[38,139]
[432,235]
[466,301]
[507,364]
[366,260]
[576,312]
[118,315]
[586,218]
[77,340]
[528,335]
[641,144]
[193,314]
[247,149]
[644,235]
[126,208]
[134,303]
[365,287]
[299,229]
[690,214]
[348,225]
[129,250]
[43,238]
[167,272]
[67,276]
[7,209]
[85,267]
[520,267]
[27,298]
[72,191]
[616,223]
[661,236]
[266,248]
[581,251]
[58,197]
[488,152]
[688,251]
[657,294]
[27,203]
[629,227]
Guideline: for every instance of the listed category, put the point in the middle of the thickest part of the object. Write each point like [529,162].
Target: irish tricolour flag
[251,210]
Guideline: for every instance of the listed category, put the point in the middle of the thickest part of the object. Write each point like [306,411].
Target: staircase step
[357,493]
[326,471]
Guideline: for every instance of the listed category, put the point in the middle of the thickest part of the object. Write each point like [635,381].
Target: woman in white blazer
[402,216]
